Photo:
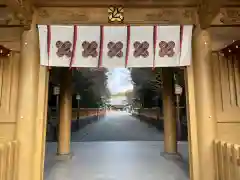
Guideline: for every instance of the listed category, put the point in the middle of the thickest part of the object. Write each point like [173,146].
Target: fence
[227,160]
[81,112]
[86,112]
[153,113]
[8,159]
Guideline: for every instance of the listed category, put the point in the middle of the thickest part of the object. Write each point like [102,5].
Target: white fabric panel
[186,52]
[61,34]
[141,46]
[88,38]
[167,34]
[42,29]
[114,34]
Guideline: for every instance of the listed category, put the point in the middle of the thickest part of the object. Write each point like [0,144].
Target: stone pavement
[118,126]
[102,159]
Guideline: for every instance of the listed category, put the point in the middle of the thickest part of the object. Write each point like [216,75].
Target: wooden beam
[227,17]
[7,17]
[88,15]
[10,37]
[207,11]
[13,46]
[223,36]
[10,34]
[163,15]
[107,3]
[22,9]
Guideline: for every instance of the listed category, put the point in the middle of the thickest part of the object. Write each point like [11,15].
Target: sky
[119,80]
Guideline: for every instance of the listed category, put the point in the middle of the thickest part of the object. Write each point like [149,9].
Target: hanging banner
[167,46]
[43,45]
[87,46]
[114,46]
[56,45]
[186,48]
[141,49]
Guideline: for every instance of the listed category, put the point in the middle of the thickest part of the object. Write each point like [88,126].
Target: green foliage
[91,85]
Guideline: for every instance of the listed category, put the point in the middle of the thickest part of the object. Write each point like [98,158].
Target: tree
[90,84]
[147,85]
[149,81]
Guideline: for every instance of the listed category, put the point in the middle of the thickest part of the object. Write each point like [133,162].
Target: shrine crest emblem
[115,14]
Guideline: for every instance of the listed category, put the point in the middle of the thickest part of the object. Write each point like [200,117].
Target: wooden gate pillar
[204,100]
[65,116]
[170,124]
[41,123]
[27,102]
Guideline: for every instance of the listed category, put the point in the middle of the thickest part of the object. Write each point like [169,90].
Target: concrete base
[64,157]
[172,156]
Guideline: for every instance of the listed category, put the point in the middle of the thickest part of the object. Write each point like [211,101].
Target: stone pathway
[102,159]
[118,126]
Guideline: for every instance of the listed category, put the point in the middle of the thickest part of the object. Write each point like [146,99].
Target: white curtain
[115,46]
[141,47]
[87,46]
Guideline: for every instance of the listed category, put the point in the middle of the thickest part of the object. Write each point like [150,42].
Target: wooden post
[27,102]
[192,124]
[170,125]
[41,123]
[65,114]
[204,98]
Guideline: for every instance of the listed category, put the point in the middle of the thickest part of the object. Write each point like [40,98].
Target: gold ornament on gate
[115,14]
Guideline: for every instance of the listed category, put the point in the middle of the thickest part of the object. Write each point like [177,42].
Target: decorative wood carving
[183,15]
[115,14]
[62,15]
[207,11]
[228,16]
[87,15]
[106,3]
[22,10]
[8,18]
[172,16]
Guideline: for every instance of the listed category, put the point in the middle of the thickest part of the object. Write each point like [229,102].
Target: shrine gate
[197,36]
